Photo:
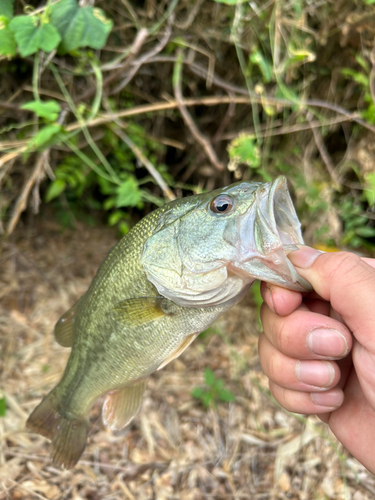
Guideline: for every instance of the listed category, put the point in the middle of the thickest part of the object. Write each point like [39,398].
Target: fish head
[209,248]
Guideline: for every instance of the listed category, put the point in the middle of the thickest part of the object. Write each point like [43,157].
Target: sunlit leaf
[44,135]
[48,109]
[245,150]
[8,45]
[115,217]
[370,188]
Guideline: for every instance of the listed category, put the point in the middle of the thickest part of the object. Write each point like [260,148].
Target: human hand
[305,333]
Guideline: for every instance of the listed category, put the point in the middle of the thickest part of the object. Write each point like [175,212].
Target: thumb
[347,282]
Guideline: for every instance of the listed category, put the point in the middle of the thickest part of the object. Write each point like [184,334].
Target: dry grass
[174,448]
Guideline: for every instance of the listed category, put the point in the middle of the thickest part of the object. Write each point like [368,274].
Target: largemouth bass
[162,284]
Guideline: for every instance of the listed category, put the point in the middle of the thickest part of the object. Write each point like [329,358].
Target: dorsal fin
[120,406]
[64,327]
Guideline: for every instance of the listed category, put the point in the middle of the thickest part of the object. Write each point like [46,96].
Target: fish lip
[275,231]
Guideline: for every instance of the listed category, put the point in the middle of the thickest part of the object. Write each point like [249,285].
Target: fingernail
[304,256]
[331,399]
[327,342]
[317,373]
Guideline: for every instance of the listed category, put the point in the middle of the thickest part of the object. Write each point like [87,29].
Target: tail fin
[68,435]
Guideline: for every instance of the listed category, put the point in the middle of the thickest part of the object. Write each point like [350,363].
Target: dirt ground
[174,448]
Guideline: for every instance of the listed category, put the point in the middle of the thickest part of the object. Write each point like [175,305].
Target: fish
[167,280]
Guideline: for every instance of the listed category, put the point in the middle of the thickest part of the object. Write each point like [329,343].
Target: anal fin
[120,406]
[63,331]
[180,349]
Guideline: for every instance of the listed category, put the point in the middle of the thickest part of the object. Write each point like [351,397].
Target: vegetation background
[109,109]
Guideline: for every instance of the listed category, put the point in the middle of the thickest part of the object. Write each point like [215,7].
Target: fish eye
[222,204]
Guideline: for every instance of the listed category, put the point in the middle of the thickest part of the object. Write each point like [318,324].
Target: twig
[315,103]
[142,60]
[203,101]
[134,50]
[225,121]
[323,152]
[142,158]
[203,141]
[184,25]
[276,129]
[20,205]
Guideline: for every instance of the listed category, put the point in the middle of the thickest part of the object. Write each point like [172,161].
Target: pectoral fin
[120,406]
[141,310]
[64,327]
[180,349]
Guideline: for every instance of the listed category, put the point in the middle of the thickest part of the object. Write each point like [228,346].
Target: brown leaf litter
[174,448]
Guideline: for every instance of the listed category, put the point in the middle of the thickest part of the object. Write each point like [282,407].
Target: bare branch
[21,202]
[203,141]
[168,194]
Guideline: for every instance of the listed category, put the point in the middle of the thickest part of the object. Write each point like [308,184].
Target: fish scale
[164,282]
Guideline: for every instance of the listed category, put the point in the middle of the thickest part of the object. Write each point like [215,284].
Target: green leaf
[123,227]
[8,45]
[67,18]
[80,27]
[54,189]
[209,377]
[44,135]
[6,8]
[197,392]
[97,28]
[245,150]
[115,217]
[226,395]
[265,67]
[48,109]
[365,231]
[231,2]
[206,398]
[3,406]
[128,194]
[370,188]
[32,35]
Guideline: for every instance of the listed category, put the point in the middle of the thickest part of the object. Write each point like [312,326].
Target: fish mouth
[269,234]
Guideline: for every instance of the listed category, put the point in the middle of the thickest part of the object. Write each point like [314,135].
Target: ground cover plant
[109,109]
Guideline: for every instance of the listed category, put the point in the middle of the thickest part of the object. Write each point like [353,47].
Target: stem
[36,77]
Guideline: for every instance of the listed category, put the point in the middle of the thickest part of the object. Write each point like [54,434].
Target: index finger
[280,300]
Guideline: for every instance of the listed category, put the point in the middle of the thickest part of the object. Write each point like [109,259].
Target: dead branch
[203,141]
[323,152]
[21,202]
[143,60]
[168,194]
[134,50]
